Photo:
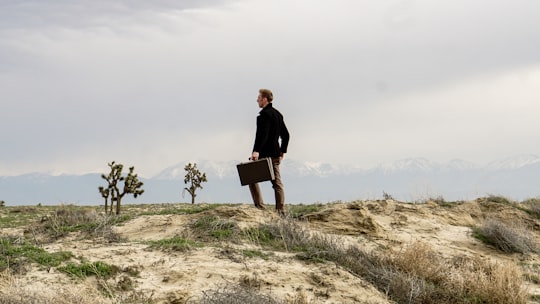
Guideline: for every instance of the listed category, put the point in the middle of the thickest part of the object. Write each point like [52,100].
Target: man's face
[261,101]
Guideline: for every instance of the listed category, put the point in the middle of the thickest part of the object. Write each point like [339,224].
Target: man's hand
[254,155]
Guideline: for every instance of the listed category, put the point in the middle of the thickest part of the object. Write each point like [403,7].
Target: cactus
[132,185]
[195,177]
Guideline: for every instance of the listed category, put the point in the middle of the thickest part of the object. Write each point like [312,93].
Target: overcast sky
[360,82]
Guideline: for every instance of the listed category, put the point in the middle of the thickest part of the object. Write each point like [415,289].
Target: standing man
[270,128]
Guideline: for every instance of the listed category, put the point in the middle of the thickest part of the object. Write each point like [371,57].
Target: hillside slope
[222,257]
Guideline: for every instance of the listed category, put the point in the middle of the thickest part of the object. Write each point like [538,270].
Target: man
[270,128]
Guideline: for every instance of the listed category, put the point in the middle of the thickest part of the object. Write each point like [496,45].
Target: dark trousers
[276,184]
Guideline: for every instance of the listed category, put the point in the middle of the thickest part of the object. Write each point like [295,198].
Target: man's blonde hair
[265,93]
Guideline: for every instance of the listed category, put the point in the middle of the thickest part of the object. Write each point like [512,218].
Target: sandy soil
[181,277]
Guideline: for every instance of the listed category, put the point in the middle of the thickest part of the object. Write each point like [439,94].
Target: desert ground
[230,251]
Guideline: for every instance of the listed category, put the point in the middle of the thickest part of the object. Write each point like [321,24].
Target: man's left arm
[285,136]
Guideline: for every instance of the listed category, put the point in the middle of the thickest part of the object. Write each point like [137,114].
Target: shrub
[214,228]
[15,254]
[498,199]
[237,294]
[13,291]
[507,238]
[533,205]
[174,244]
[299,211]
[71,218]
[99,269]
[416,274]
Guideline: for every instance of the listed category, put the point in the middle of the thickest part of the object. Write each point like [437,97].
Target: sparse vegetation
[132,185]
[16,255]
[508,238]
[214,228]
[416,275]
[194,178]
[86,269]
[255,254]
[70,218]
[299,211]
[498,199]
[406,273]
[237,294]
[387,196]
[533,206]
[174,244]
[2,204]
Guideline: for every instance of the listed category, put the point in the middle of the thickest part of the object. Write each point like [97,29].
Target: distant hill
[408,179]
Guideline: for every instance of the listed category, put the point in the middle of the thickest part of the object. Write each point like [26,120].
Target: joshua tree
[132,185]
[195,177]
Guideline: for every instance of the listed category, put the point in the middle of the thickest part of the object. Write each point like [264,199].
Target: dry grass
[510,238]
[533,205]
[12,291]
[237,294]
[67,219]
[416,274]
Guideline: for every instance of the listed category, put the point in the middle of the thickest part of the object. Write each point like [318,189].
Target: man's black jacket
[270,127]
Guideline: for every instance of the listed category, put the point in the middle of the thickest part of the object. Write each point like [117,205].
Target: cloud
[161,81]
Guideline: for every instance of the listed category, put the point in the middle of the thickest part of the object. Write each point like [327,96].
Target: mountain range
[412,179]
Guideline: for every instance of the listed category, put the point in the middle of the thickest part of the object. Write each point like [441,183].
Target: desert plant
[237,294]
[86,269]
[174,244]
[299,211]
[214,228]
[498,199]
[387,196]
[14,290]
[66,219]
[533,205]
[15,254]
[505,237]
[195,178]
[2,203]
[132,185]
[416,274]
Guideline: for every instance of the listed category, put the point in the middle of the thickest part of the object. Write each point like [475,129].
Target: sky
[359,82]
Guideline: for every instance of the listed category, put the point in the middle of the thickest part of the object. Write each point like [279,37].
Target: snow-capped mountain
[408,164]
[305,182]
[515,162]
[459,165]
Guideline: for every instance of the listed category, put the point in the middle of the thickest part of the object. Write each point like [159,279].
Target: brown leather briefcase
[256,171]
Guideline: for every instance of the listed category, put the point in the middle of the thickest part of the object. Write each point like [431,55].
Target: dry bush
[415,274]
[485,281]
[534,206]
[508,238]
[13,291]
[421,261]
[70,218]
[237,294]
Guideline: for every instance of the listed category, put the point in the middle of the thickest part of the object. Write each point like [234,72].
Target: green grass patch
[299,211]
[15,255]
[255,254]
[19,216]
[262,236]
[214,228]
[85,269]
[174,244]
